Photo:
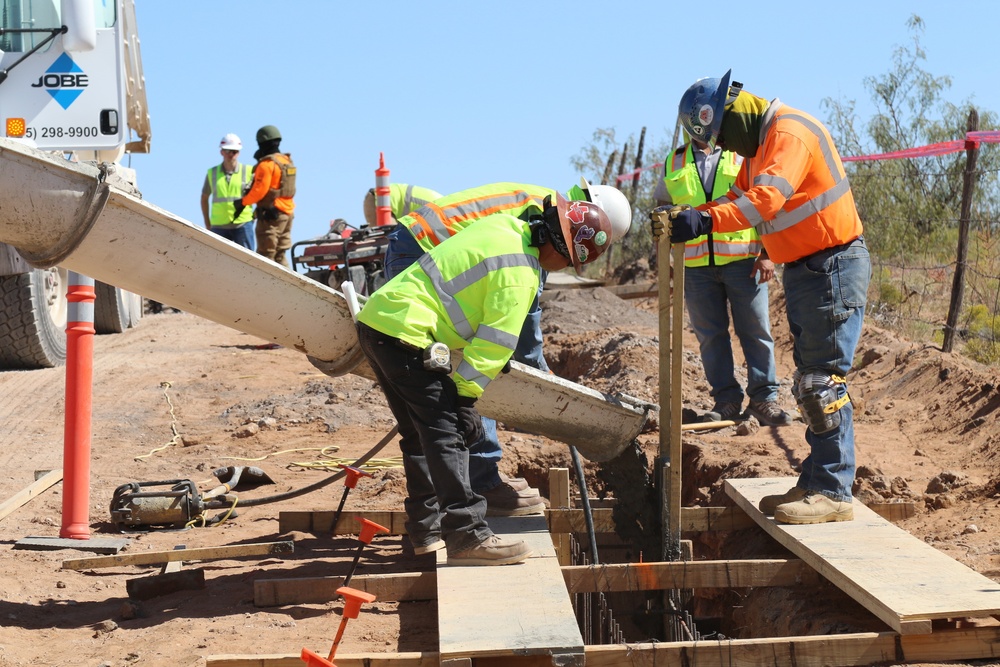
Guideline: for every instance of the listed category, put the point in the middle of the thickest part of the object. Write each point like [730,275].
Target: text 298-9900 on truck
[70,82]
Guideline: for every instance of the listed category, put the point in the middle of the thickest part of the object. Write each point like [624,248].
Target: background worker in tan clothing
[272,191]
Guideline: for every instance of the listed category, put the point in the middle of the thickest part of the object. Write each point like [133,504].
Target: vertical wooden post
[559,499]
[79,402]
[958,284]
[638,164]
[668,473]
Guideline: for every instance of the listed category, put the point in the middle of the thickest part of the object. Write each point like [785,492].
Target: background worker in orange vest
[272,191]
[721,272]
[793,189]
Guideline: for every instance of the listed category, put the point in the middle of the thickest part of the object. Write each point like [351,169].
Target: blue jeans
[242,235]
[826,294]
[709,293]
[485,454]
[435,458]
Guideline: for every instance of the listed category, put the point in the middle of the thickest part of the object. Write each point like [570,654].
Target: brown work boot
[814,508]
[769,413]
[504,500]
[768,504]
[520,485]
[722,412]
[494,550]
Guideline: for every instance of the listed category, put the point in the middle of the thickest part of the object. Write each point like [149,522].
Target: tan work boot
[814,508]
[768,504]
[520,485]
[494,550]
[436,544]
[504,500]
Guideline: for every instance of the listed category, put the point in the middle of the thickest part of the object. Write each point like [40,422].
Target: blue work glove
[470,423]
[688,223]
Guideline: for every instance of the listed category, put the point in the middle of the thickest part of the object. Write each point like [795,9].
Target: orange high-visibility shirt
[267,177]
[794,191]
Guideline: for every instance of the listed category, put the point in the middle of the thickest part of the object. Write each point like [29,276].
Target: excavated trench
[624,359]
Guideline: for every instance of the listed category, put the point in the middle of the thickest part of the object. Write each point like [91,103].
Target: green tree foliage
[602,161]
[912,204]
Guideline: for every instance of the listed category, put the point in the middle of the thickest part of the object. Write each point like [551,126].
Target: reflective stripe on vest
[785,219]
[435,223]
[225,193]
[405,199]
[683,182]
[446,291]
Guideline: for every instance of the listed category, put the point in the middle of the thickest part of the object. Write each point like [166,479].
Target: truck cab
[71,83]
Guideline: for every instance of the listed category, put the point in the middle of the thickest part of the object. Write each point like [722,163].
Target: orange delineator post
[79,400]
[383,196]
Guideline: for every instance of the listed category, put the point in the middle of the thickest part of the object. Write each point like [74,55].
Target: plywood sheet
[508,610]
[898,577]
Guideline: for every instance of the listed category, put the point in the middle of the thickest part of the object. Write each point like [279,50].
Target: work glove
[684,222]
[659,218]
[470,423]
[239,206]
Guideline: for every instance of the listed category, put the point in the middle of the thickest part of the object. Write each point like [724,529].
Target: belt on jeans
[386,338]
[825,251]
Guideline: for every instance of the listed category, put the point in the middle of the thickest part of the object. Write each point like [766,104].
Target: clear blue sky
[457,94]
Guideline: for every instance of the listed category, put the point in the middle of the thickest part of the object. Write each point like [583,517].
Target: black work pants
[435,456]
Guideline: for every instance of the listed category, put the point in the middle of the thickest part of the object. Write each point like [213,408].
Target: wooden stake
[47,479]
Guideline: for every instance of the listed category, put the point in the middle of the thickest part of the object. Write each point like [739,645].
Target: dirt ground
[180,396]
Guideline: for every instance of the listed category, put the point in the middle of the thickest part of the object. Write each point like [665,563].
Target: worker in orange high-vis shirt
[794,191]
[272,191]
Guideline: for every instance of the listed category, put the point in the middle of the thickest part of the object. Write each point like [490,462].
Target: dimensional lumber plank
[157,557]
[516,611]
[620,577]
[411,659]
[693,519]
[48,479]
[403,587]
[899,578]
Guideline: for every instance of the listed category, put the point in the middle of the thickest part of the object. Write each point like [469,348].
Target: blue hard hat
[702,106]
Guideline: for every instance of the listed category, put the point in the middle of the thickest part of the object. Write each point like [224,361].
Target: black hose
[222,504]
[587,514]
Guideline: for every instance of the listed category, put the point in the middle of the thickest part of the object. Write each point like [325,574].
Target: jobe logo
[64,81]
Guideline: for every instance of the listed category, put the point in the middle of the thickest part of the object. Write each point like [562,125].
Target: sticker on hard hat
[705,114]
[583,233]
[601,238]
[581,253]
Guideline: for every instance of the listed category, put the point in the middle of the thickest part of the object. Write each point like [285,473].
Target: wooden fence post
[958,284]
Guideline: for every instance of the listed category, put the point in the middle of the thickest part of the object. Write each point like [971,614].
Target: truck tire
[33,319]
[115,310]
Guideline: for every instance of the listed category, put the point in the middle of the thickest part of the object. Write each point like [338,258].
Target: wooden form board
[158,557]
[854,649]
[518,611]
[899,578]
[693,519]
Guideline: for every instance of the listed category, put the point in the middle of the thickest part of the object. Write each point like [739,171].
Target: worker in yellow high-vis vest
[723,271]
[472,293]
[433,224]
[222,188]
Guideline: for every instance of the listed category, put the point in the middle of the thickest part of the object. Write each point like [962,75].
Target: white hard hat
[614,203]
[231,142]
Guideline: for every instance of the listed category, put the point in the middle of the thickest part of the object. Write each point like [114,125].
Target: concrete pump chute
[99,227]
